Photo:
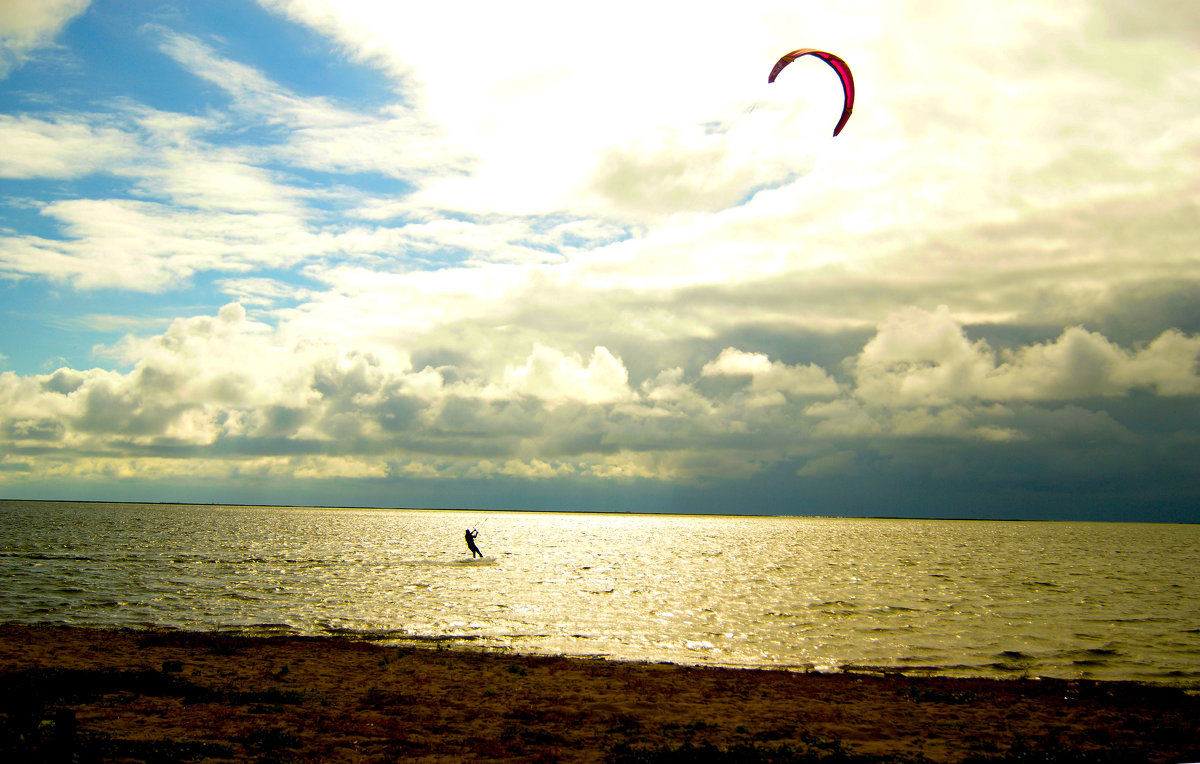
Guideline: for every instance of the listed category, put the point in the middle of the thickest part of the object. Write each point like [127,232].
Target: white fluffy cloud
[26,25]
[149,246]
[772,383]
[64,148]
[320,135]
[522,149]
[538,258]
[230,390]
[555,377]
[923,358]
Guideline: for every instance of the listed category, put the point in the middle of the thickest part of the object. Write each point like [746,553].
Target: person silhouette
[471,536]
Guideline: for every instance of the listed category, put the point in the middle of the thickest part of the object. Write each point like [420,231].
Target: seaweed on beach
[37,732]
[37,723]
[833,752]
[91,695]
[742,753]
[34,688]
[104,748]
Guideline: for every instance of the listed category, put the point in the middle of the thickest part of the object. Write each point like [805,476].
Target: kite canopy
[838,65]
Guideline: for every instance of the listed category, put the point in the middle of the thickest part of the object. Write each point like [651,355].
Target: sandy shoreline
[88,695]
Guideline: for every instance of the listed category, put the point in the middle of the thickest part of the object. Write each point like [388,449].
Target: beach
[87,694]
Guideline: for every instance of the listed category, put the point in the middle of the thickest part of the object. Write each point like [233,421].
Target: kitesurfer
[471,536]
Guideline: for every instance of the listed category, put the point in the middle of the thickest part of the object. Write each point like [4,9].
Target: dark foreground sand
[86,695]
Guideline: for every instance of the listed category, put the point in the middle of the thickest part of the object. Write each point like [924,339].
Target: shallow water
[1093,600]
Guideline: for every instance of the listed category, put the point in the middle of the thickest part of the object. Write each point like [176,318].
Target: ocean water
[1073,600]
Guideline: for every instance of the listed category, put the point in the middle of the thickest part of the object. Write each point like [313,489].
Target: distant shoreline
[618,513]
[121,693]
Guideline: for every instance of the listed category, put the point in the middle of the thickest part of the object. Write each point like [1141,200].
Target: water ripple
[1002,599]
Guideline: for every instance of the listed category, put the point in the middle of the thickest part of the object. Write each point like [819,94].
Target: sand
[80,694]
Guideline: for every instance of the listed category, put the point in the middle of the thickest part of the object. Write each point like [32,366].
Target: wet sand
[98,695]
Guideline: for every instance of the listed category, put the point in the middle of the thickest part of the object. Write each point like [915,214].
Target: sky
[562,256]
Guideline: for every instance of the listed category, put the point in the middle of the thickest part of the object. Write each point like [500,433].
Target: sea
[1110,601]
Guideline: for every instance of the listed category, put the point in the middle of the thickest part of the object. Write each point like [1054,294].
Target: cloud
[107,322]
[67,147]
[232,398]
[735,362]
[724,197]
[316,134]
[149,246]
[924,358]
[843,418]
[260,291]
[837,463]
[920,358]
[556,377]
[772,382]
[697,168]
[530,260]
[204,199]
[206,181]
[26,25]
[531,94]
[209,208]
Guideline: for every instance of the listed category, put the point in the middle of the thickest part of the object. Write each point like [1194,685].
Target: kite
[838,65]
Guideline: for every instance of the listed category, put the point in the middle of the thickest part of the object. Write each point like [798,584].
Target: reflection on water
[1097,600]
